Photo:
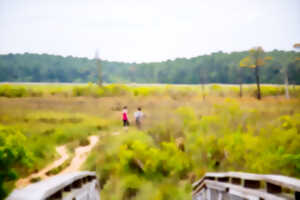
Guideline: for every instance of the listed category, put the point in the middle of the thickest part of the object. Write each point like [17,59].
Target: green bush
[12,91]
[272,90]
[138,161]
[58,169]
[173,91]
[13,152]
[31,138]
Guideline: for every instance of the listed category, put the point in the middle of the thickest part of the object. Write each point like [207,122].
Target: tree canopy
[217,67]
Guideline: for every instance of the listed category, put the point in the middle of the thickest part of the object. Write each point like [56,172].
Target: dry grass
[155,108]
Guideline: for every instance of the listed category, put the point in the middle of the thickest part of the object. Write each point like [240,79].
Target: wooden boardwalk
[244,186]
[213,186]
[70,186]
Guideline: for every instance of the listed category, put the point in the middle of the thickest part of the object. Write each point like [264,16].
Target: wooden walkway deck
[242,186]
[71,186]
[213,186]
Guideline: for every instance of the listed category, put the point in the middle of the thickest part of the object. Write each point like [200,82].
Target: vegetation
[35,179]
[182,136]
[114,90]
[59,168]
[217,67]
[218,134]
[255,60]
[12,153]
[99,68]
[30,132]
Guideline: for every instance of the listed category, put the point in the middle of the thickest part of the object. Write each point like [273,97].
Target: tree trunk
[203,91]
[241,90]
[257,82]
[286,84]
[240,82]
[202,81]
[99,72]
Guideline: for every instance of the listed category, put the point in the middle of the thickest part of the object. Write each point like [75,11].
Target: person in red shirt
[125,117]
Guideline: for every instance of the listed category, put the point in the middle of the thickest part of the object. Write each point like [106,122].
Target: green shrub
[35,179]
[137,161]
[13,152]
[173,91]
[84,141]
[12,91]
[58,169]
[272,90]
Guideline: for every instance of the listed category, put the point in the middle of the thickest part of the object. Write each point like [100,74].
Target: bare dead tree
[99,68]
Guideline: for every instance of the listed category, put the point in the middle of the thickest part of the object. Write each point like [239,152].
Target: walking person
[125,116]
[138,117]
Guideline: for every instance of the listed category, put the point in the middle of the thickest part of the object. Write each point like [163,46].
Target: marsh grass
[117,90]
[44,124]
[221,133]
[218,134]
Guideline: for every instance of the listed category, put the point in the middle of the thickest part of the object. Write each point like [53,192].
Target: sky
[146,30]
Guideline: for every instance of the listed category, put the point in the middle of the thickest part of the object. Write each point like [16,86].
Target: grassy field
[183,135]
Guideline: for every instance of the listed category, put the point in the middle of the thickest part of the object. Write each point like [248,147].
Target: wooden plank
[242,175]
[283,181]
[88,191]
[215,185]
[244,192]
[195,184]
[245,176]
[44,189]
[199,188]
[217,175]
[236,194]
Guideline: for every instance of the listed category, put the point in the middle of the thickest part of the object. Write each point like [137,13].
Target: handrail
[243,185]
[261,186]
[53,187]
[241,191]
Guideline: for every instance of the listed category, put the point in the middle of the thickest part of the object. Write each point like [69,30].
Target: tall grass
[92,90]
[38,133]
[221,134]
[182,136]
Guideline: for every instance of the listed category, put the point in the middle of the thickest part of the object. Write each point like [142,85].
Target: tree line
[217,67]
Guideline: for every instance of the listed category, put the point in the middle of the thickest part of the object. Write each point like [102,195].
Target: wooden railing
[72,186]
[238,185]
[213,186]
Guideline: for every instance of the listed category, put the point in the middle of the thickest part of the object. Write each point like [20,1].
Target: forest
[217,67]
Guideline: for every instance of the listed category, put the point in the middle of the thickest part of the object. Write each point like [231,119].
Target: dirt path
[116,133]
[80,156]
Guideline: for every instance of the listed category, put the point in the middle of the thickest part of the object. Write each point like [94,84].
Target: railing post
[208,194]
[246,185]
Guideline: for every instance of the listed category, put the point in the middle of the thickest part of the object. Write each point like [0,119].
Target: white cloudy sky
[146,30]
